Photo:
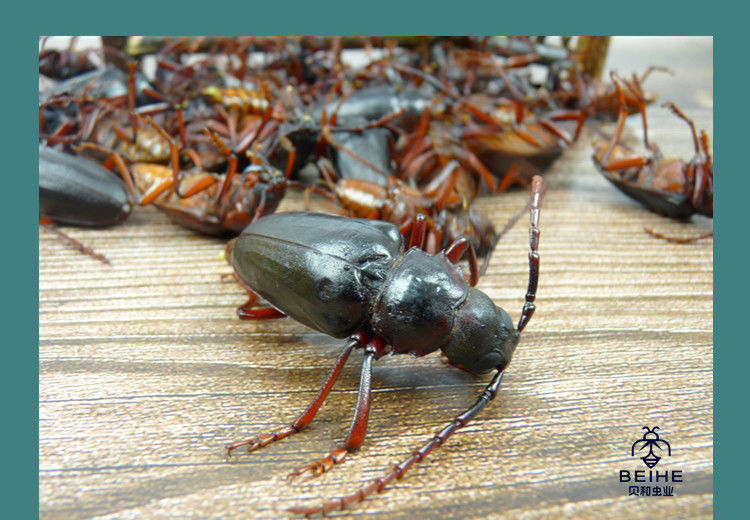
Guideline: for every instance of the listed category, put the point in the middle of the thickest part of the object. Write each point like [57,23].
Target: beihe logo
[651,482]
[651,440]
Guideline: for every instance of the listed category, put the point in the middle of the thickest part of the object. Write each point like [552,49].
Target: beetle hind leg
[264,439]
[48,225]
[249,309]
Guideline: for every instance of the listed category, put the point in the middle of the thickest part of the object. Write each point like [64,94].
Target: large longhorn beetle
[352,278]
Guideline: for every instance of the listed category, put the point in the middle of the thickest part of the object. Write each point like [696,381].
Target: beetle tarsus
[321,466]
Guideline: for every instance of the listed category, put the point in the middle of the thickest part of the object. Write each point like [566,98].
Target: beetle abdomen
[323,271]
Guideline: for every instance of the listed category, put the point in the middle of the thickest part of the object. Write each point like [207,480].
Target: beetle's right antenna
[534,232]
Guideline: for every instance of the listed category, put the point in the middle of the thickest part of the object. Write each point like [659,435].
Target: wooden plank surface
[145,374]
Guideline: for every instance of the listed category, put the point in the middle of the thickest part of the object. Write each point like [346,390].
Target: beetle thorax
[415,309]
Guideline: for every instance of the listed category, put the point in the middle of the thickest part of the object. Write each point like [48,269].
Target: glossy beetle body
[374,102]
[340,275]
[354,277]
[370,146]
[78,191]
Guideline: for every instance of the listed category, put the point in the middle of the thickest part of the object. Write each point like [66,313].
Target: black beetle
[353,277]
[77,191]
[672,187]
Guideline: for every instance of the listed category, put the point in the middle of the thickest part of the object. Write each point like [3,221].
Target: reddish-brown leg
[447,178]
[358,429]
[328,136]
[48,225]
[564,115]
[231,170]
[418,230]
[509,178]
[249,312]
[411,148]
[618,133]
[461,420]
[636,161]
[114,160]
[308,415]
[480,168]
[203,183]
[637,99]
[248,141]
[399,470]
[131,99]
[457,249]
[678,240]
[676,111]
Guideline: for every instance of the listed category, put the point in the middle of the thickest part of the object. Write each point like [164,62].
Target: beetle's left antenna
[534,232]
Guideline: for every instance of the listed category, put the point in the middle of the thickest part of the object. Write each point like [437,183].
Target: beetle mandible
[353,278]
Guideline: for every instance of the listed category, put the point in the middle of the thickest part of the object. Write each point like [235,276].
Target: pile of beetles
[215,131]
[218,129]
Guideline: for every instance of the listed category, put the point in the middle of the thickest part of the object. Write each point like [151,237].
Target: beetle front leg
[457,249]
[358,428]
[437,440]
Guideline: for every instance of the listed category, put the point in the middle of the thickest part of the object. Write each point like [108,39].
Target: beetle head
[483,336]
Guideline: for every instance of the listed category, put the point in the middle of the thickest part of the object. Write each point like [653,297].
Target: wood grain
[145,374]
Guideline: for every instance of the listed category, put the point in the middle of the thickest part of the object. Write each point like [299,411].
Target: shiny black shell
[417,304]
[667,203]
[324,271]
[373,102]
[78,191]
[372,146]
[341,276]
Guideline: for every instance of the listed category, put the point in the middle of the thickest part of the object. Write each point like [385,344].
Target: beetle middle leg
[308,415]
[454,252]
[374,348]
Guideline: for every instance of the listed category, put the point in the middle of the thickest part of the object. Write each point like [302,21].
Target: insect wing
[321,270]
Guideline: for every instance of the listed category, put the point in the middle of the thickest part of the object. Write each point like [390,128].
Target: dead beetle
[672,187]
[78,191]
[353,278]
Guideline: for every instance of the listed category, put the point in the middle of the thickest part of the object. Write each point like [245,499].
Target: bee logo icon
[651,440]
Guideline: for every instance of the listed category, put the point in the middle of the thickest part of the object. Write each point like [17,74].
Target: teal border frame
[20,388]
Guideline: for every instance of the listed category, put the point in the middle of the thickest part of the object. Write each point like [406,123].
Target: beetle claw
[252,444]
[320,466]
